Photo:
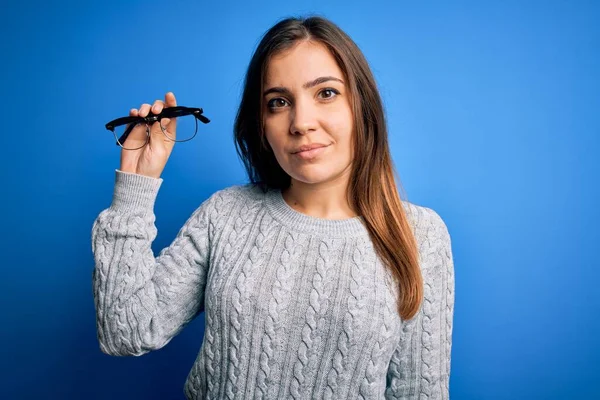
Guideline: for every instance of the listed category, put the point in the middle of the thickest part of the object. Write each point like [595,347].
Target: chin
[312,177]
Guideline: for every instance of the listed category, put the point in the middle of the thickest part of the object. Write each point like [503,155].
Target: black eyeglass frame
[168,112]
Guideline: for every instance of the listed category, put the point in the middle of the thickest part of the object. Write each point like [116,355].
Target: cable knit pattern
[295,306]
[274,327]
[240,294]
[351,326]
[314,325]
[420,365]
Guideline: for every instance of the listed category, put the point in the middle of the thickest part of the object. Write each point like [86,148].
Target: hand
[151,159]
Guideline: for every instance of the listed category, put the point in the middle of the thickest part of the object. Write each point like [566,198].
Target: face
[306,102]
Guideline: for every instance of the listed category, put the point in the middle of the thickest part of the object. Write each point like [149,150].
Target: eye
[277,102]
[330,93]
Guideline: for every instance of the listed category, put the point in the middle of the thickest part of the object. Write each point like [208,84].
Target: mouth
[310,154]
[310,147]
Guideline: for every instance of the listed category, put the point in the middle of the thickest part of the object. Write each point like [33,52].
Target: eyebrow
[307,85]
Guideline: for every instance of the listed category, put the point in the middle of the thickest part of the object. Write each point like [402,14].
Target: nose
[303,117]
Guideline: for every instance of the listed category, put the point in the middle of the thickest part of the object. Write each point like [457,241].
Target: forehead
[301,63]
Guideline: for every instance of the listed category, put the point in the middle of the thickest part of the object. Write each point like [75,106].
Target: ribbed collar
[297,221]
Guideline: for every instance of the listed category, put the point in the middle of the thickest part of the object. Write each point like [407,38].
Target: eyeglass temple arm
[125,134]
[202,118]
[129,128]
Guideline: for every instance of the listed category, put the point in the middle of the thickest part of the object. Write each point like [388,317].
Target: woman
[316,280]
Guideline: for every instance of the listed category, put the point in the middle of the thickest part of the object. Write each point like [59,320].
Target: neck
[322,200]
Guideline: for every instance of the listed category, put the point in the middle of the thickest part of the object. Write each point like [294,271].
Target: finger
[144,110]
[157,107]
[137,135]
[156,132]
[170,100]
[170,125]
[163,131]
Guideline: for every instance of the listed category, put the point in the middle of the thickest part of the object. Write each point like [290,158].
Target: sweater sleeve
[142,302]
[420,365]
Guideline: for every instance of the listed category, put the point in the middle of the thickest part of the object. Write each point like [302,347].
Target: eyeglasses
[187,117]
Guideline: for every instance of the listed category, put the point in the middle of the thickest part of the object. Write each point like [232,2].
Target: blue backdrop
[494,115]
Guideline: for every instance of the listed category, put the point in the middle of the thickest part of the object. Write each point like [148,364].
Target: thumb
[170,100]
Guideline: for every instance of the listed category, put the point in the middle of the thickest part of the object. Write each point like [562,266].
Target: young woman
[316,280]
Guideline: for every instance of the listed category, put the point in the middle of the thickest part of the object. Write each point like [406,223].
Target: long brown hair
[372,187]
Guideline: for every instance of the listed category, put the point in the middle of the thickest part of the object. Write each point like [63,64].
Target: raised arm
[142,302]
[420,366]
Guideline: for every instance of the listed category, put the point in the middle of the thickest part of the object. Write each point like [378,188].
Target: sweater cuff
[134,192]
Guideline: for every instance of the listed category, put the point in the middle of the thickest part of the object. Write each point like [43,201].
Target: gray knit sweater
[296,307]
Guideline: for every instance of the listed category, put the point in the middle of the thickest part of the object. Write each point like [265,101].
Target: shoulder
[426,222]
[243,192]
[224,201]
[433,241]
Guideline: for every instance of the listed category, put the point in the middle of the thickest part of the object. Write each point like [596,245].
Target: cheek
[274,140]
[341,128]
[275,130]
[269,129]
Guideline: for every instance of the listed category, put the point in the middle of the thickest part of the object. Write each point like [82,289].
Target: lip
[312,153]
[309,147]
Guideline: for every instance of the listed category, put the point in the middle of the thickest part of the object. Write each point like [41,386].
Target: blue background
[494,116]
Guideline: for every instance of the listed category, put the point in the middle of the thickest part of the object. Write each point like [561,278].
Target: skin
[151,159]
[302,115]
